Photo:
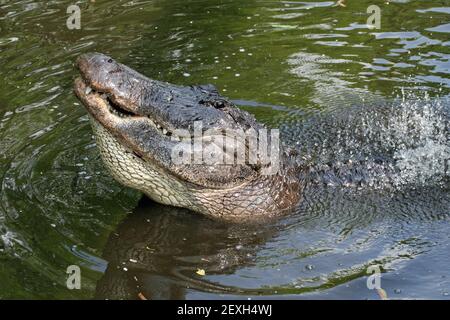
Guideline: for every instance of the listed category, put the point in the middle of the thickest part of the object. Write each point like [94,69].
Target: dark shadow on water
[157,250]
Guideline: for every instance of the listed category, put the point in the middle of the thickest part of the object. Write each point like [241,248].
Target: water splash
[9,241]
[404,144]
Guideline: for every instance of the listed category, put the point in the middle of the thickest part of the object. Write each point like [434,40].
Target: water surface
[343,93]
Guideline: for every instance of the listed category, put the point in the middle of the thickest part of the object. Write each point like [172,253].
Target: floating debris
[141,296]
[200,272]
[382,293]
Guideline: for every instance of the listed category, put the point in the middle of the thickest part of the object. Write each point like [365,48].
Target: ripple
[438,10]
[444,28]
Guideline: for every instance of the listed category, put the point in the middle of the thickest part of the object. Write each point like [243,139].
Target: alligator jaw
[108,110]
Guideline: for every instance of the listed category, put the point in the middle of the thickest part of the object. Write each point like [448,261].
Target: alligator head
[150,134]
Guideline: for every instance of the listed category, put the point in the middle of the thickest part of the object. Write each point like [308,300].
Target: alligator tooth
[88,90]
[164,131]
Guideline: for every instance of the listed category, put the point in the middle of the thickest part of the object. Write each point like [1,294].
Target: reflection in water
[157,249]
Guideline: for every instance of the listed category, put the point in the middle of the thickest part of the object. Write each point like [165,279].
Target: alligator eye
[110,60]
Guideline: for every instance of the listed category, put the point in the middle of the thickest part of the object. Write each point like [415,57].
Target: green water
[283,61]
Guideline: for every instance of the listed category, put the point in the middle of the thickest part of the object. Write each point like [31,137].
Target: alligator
[154,252]
[137,123]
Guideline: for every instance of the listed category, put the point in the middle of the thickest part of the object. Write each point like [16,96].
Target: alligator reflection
[157,250]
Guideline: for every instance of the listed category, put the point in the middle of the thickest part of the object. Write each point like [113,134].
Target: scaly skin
[136,120]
